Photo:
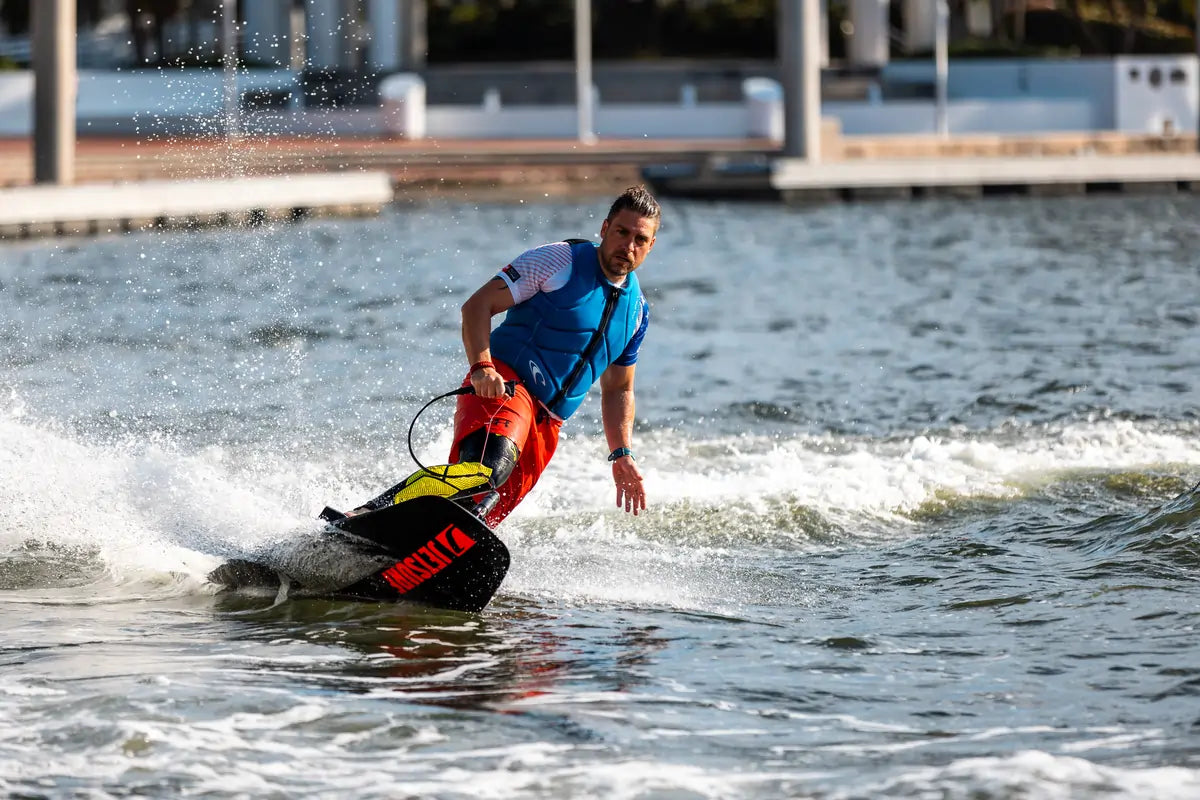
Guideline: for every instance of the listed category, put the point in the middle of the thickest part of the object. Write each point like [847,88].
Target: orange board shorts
[522,419]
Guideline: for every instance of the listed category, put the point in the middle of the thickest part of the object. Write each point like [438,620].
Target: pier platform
[127,183]
[862,168]
[796,180]
[122,206]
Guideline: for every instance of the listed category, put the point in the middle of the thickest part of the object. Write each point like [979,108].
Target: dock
[795,180]
[100,207]
[961,168]
[130,184]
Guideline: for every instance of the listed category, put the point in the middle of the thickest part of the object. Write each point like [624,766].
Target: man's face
[625,241]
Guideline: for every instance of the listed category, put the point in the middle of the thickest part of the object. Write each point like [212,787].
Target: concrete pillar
[54,91]
[324,26]
[297,30]
[266,32]
[800,38]
[385,52]
[229,59]
[583,71]
[942,66]
[416,36]
[868,46]
[979,18]
[920,21]
[399,36]
[823,61]
[399,42]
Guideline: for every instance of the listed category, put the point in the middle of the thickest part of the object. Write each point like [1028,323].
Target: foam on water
[140,507]
[845,477]
[147,508]
[1036,775]
[785,620]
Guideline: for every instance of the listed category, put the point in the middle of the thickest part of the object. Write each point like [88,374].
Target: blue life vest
[559,342]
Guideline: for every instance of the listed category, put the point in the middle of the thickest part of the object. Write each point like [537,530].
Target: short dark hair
[638,200]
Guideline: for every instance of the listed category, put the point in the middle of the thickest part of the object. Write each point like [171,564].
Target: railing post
[54,91]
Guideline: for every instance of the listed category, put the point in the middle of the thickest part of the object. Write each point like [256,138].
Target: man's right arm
[493,298]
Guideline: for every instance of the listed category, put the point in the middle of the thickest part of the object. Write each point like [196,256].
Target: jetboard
[426,550]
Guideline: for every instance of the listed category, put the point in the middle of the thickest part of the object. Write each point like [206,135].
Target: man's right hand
[487,382]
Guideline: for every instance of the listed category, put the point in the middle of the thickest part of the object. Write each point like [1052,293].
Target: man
[575,313]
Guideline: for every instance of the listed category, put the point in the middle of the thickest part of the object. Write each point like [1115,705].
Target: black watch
[620,452]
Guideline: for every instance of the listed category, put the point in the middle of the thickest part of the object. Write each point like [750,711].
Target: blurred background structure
[818,80]
[410,34]
[877,59]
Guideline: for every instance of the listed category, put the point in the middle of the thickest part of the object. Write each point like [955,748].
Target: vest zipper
[610,305]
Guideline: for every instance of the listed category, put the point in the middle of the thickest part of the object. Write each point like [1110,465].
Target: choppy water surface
[922,513]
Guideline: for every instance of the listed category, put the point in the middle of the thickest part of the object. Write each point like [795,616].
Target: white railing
[192,102]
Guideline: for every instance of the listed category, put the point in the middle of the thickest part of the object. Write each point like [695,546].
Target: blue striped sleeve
[630,356]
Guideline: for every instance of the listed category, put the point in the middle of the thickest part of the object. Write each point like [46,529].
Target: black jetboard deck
[434,552]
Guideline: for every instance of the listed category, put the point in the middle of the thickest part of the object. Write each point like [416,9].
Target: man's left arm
[616,411]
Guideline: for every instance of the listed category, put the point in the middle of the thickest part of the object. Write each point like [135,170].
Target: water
[922,519]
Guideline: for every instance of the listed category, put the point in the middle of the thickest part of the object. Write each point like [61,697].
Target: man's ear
[603,228]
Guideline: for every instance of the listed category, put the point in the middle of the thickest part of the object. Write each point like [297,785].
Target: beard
[615,265]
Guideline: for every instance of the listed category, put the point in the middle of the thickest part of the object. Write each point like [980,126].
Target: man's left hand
[631,493]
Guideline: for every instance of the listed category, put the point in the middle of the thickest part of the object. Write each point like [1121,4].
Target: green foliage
[497,31]
[1005,48]
[14,14]
[1096,31]
[516,30]
[521,30]
[461,30]
[743,28]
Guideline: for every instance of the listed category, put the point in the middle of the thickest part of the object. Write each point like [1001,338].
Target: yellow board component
[447,480]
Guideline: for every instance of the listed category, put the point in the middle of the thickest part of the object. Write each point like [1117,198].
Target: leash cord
[509,387]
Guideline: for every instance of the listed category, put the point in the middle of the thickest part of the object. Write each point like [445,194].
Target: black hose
[510,388]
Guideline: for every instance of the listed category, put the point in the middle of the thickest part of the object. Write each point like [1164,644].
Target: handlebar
[510,388]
